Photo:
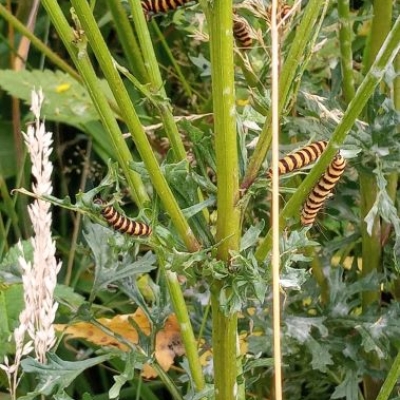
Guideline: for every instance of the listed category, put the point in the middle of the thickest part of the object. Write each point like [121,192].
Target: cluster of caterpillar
[241,28]
[316,198]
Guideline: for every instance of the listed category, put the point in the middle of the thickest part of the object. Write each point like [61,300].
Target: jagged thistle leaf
[58,374]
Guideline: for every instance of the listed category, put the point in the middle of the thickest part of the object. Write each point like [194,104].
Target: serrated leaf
[251,236]
[320,355]
[300,327]
[348,389]
[112,266]
[293,278]
[57,374]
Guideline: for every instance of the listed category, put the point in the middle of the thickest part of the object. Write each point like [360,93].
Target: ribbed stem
[346,53]
[228,231]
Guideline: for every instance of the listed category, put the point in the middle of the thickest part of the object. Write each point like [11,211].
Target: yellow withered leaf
[168,343]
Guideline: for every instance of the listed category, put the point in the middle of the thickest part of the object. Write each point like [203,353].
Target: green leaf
[300,327]
[348,389]
[320,355]
[251,236]
[125,376]
[9,266]
[113,259]
[66,100]
[57,375]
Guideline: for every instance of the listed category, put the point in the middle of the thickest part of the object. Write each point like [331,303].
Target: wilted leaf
[168,343]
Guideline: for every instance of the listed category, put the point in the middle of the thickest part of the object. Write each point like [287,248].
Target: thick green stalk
[287,77]
[52,56]
[228,224]
[346,53]
[371,241]
[128,41]
[82,62]
[357,104]
[156,82]
[123,100]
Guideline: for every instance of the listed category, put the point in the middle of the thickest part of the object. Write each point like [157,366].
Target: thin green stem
[156,81]
[128,41]
[345,40]
[182,80]
[391,380]
[364,92]
[139,136]
[371,241]
[371,245]
[290,68]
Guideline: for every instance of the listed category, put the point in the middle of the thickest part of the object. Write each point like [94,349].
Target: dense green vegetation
[168,120]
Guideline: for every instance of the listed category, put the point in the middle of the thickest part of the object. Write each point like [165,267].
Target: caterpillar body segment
[321,190]
[121,223]
[300,158]
[242,32]
[151,7]
[285,10]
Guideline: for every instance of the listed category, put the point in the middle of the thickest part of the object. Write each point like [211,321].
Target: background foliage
[339,279]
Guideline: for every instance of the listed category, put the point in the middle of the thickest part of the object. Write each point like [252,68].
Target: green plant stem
[187,334]
[290,69]
[371,241]
[122,98]
[228,225]
[52,56]
[82,62]
[396,101]
[156,81]
[371,249]
[318,273]
[391,380]
[379,29]
[346,53]
[128,41]
[357,104]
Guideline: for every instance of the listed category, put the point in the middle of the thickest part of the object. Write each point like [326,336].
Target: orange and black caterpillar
[285,10]
[151,7]
[322,189]
[242,32]
[121,223]
[300,158]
